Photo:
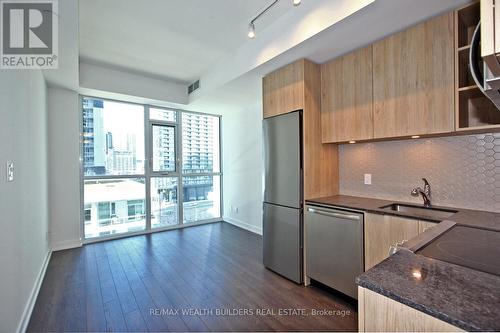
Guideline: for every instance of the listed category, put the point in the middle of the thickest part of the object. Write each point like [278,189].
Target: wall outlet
[368,178]
[10,171]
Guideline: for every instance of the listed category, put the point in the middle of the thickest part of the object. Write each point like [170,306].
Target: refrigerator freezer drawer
[334,247]
[283,241]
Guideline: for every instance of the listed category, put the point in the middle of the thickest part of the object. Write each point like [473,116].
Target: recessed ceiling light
[251,31]
[296,2]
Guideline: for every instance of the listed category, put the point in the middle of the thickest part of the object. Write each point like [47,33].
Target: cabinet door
[490,35]
[424,225]
[347,97]
[413,80]
[378,313]
[382,231]
[283,90]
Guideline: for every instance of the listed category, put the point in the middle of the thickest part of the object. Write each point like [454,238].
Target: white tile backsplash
[464,171]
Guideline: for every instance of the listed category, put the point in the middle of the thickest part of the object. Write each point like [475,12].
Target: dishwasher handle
[334,214]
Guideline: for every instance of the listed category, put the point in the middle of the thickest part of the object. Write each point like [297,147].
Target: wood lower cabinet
[347,97]
[413,80]
[378,313]
[424,226]
[383,231]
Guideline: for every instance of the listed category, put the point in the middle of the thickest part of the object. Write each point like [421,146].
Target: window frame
[148,174]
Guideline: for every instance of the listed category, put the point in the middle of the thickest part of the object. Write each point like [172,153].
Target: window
[201,193]
[182,180]
[119,203]
[201,198]
[135,210]
[163,148]
[113,138]
[164,204]
[87,214]
[162,114]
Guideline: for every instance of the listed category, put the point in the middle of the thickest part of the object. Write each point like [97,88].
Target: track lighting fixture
[251,31]
[251,26]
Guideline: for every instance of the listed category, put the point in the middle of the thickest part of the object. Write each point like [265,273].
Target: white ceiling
[178,40]
[183,40]
[372,23]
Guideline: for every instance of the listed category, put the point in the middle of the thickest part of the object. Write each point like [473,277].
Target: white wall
[94,78]
[23,202]
[64,168]
[242,167]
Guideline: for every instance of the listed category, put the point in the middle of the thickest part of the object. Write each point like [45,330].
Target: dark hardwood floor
[138,284]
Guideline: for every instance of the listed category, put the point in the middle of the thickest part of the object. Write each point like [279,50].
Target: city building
[94,138]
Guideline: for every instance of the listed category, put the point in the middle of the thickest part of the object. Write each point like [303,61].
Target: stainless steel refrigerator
[283,195]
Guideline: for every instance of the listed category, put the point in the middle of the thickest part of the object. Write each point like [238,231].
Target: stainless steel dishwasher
[334,247]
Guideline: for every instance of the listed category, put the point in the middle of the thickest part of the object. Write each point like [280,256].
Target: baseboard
[71,244]
[243,225]
[25,319]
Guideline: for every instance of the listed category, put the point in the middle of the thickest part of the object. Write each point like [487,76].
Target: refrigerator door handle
[333,214]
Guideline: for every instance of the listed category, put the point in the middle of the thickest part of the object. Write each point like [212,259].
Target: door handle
[333,214]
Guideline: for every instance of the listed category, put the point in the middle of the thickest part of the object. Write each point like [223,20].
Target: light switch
[10,171]
[368,178]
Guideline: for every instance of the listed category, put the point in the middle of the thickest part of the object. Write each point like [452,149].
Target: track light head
[251,31]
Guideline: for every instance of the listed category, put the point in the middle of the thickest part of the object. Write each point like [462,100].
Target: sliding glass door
[146,168]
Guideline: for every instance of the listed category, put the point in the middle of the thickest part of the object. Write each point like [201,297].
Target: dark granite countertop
[469,217]
[461,296]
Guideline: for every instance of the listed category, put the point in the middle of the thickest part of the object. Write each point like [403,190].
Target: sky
[122,119]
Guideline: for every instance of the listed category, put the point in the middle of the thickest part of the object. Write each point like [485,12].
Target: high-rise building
[103,153]
[165,153]
[93,137]
[198,155]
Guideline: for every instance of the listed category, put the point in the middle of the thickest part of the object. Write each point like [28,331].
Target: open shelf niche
[474,111]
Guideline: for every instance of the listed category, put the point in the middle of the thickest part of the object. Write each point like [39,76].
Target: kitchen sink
[437,214]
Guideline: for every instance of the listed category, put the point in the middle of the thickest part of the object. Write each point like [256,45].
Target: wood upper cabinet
[283,90]
[382,231]
[347,97]
[413,80]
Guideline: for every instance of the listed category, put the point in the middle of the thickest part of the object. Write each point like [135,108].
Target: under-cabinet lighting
[352,141]
[415,136]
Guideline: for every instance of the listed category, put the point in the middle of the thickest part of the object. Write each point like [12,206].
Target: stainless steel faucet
[426,192]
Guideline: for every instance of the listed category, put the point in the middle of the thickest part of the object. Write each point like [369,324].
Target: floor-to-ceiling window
[147,168]
[200,167]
